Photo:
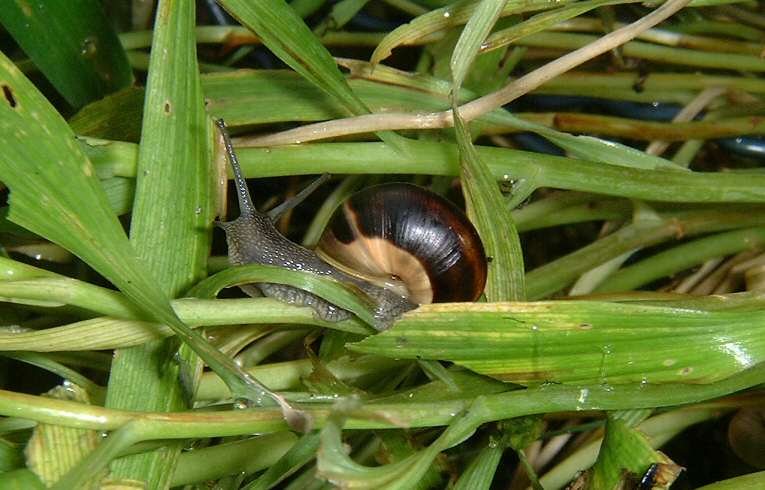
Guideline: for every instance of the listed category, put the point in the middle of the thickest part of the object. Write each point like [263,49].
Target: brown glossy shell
[402,233]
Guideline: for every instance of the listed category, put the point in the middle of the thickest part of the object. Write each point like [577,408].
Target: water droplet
[447,14]
[241,404]
[643,382]
[15,329]
[146,172]
[535,328]
[198,210]
[669,362]
[583,394]
[89,47]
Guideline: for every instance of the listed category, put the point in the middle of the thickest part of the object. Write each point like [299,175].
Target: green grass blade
[480,472]
[115,117]
[250,456]
[531,343]
[625,453]
[485,204]
[111,333]
[499,406]
[559,273]
[56,194]
[682,257]
[440,158]
[478,27]
[174,160]
[300,454]
[752,480]
[545,20]
[284,33]
[170,226]
[444,18]
[342,12]
[505,281]
[73,44]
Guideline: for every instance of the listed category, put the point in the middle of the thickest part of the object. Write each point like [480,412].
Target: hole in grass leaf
[8,93]
[167,108]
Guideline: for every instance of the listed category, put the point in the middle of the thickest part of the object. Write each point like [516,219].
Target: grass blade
[173,239]
[73,44]
[476,30]
[444,18]
[284,33]
[625,453]
[531,343]
[485,205]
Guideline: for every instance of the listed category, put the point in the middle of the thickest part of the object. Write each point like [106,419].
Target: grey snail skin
[400,244]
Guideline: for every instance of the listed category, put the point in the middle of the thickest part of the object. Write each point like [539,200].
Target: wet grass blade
[531,343]
[73,44]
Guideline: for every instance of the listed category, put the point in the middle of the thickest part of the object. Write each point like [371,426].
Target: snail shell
[408,239]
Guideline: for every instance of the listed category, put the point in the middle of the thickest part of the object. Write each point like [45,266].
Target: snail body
[398,243]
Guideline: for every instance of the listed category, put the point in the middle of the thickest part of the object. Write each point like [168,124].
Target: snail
[399,244]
